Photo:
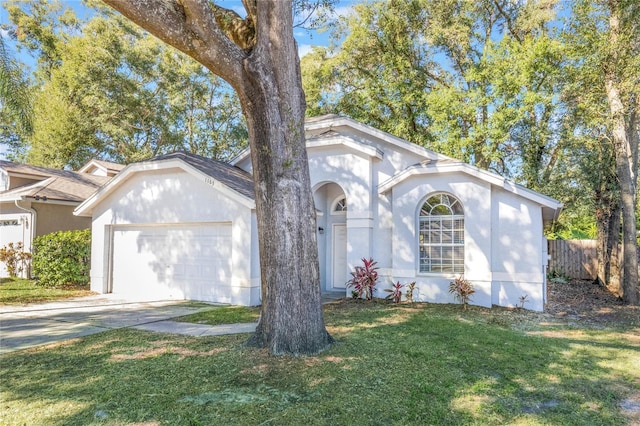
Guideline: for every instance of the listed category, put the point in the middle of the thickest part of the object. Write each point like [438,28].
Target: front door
[339,255]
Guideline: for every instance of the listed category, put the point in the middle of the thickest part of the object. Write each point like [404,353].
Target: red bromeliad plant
[395,292]
[462,290]
[364,278]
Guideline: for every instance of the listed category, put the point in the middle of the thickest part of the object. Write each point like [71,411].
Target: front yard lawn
[18,291]
[393,364]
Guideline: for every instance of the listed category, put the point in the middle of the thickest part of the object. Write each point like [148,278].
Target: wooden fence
[573,258]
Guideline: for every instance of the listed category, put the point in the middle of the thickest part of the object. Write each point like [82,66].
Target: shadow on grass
[392,365]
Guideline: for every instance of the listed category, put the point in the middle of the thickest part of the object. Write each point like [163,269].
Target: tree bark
[608,240]
[258,57]
[625,163]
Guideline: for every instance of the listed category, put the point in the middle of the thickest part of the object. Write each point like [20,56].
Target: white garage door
[177,261]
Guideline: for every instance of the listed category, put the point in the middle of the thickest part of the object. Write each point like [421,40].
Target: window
[341,206]
[441,236]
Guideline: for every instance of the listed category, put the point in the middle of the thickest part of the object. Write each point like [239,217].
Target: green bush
[62,258]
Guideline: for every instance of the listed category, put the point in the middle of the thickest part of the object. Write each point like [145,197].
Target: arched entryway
[331,209]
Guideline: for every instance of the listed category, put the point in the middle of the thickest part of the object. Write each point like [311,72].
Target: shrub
[62,258]
[364,278]
[395,292]
[409,293]
[14,258]
[462,291]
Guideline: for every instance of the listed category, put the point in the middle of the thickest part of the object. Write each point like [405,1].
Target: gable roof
[233,181]
[107,167]
[550,207]
[350,132]
[334,129]
[50,184]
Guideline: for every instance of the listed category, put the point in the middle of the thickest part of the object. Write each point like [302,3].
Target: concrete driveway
[24,327]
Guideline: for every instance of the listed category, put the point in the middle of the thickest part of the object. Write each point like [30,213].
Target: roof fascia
[349,142]
[493,179]
[379,134]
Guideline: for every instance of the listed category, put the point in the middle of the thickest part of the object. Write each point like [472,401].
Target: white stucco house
[184,226]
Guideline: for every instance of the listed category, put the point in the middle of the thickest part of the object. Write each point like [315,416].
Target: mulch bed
[585,301]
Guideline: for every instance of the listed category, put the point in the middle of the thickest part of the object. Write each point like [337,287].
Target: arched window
[441,236]
[340,206]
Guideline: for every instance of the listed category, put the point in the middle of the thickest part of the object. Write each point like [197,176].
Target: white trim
[333,122]
[85,209]
[525,277]
[348,142]
[359,222]
[459,167]
[403,273]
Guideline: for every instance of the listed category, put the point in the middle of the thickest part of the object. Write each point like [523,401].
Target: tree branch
[190,26]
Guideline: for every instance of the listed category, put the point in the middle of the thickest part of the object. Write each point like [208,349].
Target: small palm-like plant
[462,291]
[409,292]
[395,292]
[364,278]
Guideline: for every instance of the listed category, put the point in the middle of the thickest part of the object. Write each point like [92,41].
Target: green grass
[393,364]
[18,291]
[223,315]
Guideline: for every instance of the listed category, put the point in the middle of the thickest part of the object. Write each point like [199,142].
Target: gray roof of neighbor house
[109,167]
[231,176]
[54,184]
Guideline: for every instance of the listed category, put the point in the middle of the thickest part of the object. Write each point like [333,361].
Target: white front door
[339,255]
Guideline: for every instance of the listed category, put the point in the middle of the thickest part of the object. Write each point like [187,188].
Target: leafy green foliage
[364,278]
[462,290]
[14,257]
[62,258]
[107,89]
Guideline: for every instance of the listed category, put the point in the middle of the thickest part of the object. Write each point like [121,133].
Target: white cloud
[4,33]
[303,49]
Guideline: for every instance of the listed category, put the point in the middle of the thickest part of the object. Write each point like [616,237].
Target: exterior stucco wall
[518,245]
[55,217]
[504,244]
[475,197]
[352,172]
[176,197]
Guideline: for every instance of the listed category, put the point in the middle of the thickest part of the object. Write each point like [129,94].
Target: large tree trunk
[624,168]
[291,319]
[626,162]
[257,55]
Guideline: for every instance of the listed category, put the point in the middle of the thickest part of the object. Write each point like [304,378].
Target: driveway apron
[25,327]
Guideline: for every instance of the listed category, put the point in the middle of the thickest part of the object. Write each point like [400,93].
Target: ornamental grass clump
[462,290]
[364,279]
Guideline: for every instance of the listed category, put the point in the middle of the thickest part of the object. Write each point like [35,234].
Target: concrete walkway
[23,327]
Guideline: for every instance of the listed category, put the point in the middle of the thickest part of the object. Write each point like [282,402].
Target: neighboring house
[37,201]
[184,226]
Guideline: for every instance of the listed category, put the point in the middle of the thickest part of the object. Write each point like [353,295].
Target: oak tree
[257,56]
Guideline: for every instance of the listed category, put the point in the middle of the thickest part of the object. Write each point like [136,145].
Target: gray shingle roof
[231,176]
[61,185]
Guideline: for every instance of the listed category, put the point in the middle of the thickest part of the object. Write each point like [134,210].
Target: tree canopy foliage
[106,89]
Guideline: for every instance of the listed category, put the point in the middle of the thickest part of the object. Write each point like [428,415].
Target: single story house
[37,201]
[184,226]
